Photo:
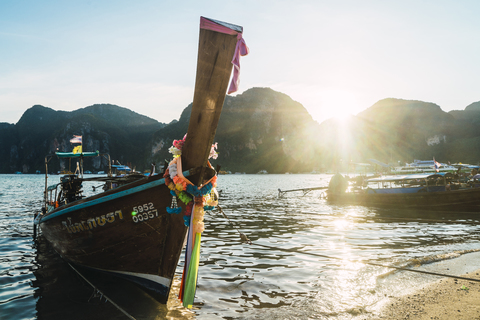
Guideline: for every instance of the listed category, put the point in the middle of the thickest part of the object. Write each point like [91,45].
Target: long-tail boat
[420,191]
[133,229]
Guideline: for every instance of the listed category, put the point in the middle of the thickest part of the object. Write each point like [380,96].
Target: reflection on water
[60,289]
[322,277]
[65,294]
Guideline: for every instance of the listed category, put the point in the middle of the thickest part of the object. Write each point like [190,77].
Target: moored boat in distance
[133,228]
[423,166]
[426,191]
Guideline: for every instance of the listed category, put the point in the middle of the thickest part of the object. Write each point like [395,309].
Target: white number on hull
[144,212]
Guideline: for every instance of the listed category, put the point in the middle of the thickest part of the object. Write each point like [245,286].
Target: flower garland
[185,191]
[176,148]
[196,200]
[181,188]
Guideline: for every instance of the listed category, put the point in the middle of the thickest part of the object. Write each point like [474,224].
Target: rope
[473,221]
[474,210]
[244,238]
[106,298]
[422,220]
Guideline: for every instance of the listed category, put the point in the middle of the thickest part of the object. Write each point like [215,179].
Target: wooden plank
[215,53]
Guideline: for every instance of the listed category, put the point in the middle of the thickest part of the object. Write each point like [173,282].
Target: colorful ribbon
[192,274]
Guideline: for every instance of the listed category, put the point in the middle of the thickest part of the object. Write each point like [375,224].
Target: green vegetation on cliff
[260,129]
[107,128]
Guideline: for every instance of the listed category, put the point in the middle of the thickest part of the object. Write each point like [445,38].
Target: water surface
[303,263]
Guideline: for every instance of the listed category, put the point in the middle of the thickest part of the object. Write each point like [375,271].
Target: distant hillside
[107,128]
[473,106]
[396,130]
[402,129]
[469,116]
[260,129]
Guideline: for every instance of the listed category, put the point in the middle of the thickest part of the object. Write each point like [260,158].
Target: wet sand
[447,298]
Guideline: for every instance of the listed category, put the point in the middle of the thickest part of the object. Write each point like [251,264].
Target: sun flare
[339,104]
[334,103]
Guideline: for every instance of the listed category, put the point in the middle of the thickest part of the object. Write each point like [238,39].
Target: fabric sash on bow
[190,270]
[241,48]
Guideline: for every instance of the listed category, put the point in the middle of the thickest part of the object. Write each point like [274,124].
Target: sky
[335,57]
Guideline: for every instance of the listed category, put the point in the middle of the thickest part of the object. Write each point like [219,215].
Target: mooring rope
[419,220]
[106,298]
[244,238]
[403,219]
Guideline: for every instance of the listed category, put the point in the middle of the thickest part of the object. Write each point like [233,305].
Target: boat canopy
[410,177]
[362,164]
[374,161]
[77,155]
[52,187]
[462,165]
[422,163]
[120,167]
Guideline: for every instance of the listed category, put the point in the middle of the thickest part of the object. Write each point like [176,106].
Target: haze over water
[241,281]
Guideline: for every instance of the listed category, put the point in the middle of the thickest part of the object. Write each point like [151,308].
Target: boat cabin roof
[411,177]
[374,161]
[77,155]
[120,167]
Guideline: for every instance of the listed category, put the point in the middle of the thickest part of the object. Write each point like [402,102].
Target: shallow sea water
[304,261]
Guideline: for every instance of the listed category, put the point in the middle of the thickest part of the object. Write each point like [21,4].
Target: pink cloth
[241,49]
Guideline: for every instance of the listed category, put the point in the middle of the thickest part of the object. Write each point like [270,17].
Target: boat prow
[132,229]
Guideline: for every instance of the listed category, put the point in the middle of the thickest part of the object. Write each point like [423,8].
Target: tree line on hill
[260,129]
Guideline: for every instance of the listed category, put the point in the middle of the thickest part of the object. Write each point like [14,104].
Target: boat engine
[71,188]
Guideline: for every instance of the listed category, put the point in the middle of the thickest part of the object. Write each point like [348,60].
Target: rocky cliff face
[394,130]
[260,129]
[107,128]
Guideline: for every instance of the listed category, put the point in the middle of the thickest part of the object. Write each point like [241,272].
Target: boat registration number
[144,212]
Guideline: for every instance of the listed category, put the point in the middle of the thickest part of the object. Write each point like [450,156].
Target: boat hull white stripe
[157,279]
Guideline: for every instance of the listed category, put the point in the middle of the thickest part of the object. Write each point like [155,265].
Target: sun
[334,103]
[339,104]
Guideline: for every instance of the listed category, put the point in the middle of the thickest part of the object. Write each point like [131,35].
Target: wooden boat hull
[102,234]
[425,200]
[127,231]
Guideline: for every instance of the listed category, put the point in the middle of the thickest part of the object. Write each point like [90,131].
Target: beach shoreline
[447,298]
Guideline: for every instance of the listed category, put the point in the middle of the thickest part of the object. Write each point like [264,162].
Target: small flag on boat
[437,164]
[77,149]
[76,139]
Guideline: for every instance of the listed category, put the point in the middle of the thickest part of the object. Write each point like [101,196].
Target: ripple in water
[320,278]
